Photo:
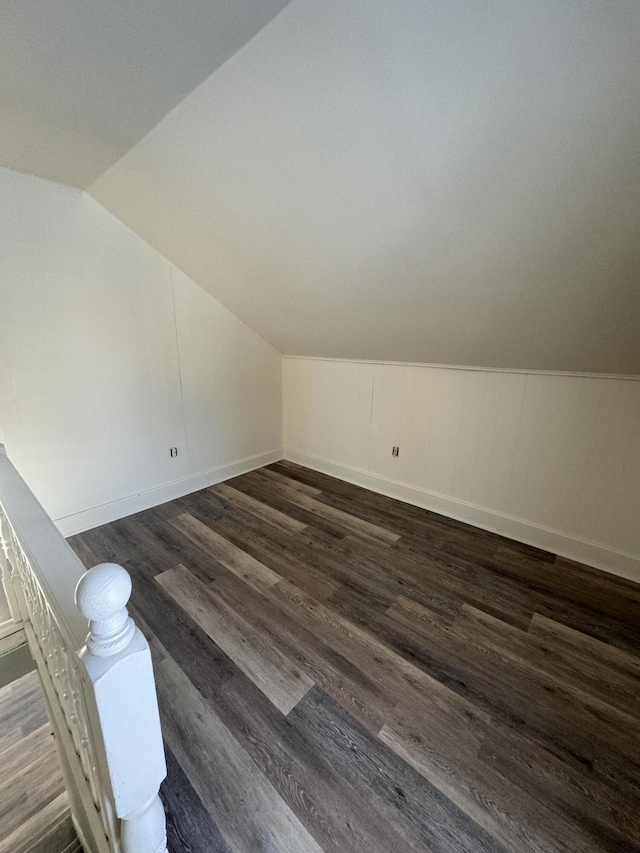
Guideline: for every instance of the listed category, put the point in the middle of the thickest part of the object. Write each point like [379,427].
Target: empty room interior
[320,426]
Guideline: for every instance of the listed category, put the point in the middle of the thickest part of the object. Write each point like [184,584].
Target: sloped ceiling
[409,180]
[81,81]
[447,182]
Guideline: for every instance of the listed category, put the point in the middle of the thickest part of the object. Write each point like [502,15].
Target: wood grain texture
[244,804]
[190,827]
[341,672]
[34,810]
[251,571]
[46,831]
[273,516]
[260,660]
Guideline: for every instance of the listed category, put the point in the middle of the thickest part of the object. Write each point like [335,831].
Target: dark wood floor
[341,672]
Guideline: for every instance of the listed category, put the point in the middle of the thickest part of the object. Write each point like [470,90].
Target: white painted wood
[551,459]
[9,588]
[389,400]
[444,366]
[145,831]
[101,596]
[109,356]
[95,516]
[119,673]
[328,406]
[101,692]
[87,821]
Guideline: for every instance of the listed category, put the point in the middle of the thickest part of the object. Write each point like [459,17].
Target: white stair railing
[99,687]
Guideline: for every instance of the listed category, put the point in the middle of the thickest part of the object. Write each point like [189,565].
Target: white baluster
[119,681]
[10,581]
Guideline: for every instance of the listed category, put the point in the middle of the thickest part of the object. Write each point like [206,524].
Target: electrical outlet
[395,451]
[173,451]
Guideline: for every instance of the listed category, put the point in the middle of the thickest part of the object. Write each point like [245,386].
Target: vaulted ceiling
[81,81]
[408,180]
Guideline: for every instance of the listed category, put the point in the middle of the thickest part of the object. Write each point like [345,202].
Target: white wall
[109,356]
[553,460]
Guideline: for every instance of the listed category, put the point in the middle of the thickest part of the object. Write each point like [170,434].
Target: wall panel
[327,405]
[553,459]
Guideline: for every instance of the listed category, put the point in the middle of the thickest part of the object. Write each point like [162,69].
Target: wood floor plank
[567,708]
[105,543]
[339,671]
[519,695]
[614,694]
[250,814]
[22,707]
[83,551]
[376,573]
[203,505]
[26,750]
[26,792]
[190,827]
[281,681]
[412,614]
[494,803]
[169,546]
[393,673]
[61,837]
[283,480]
[566,789]
[258,508]
[251,571]
[346,683]
[200,657]
[286,557]
[415,808]
[467,580]
[584,647]
[35,832]
[430,525]
[346,520]
[338,818]
[263,491]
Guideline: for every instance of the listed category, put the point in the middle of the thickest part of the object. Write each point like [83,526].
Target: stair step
[74,847]
[40,828]
[11,637]
[19,753]
[61,839]
[15,661]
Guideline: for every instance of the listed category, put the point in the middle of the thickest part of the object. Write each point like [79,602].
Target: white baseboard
[583,551]
[95,516]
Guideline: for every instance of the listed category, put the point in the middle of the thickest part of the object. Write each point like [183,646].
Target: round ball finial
[103,591]
[102,594]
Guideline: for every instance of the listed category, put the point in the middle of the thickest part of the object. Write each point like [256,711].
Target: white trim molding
[591,553]
[86,519]
[634,377]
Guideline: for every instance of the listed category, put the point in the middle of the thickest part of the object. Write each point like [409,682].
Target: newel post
[119,678]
